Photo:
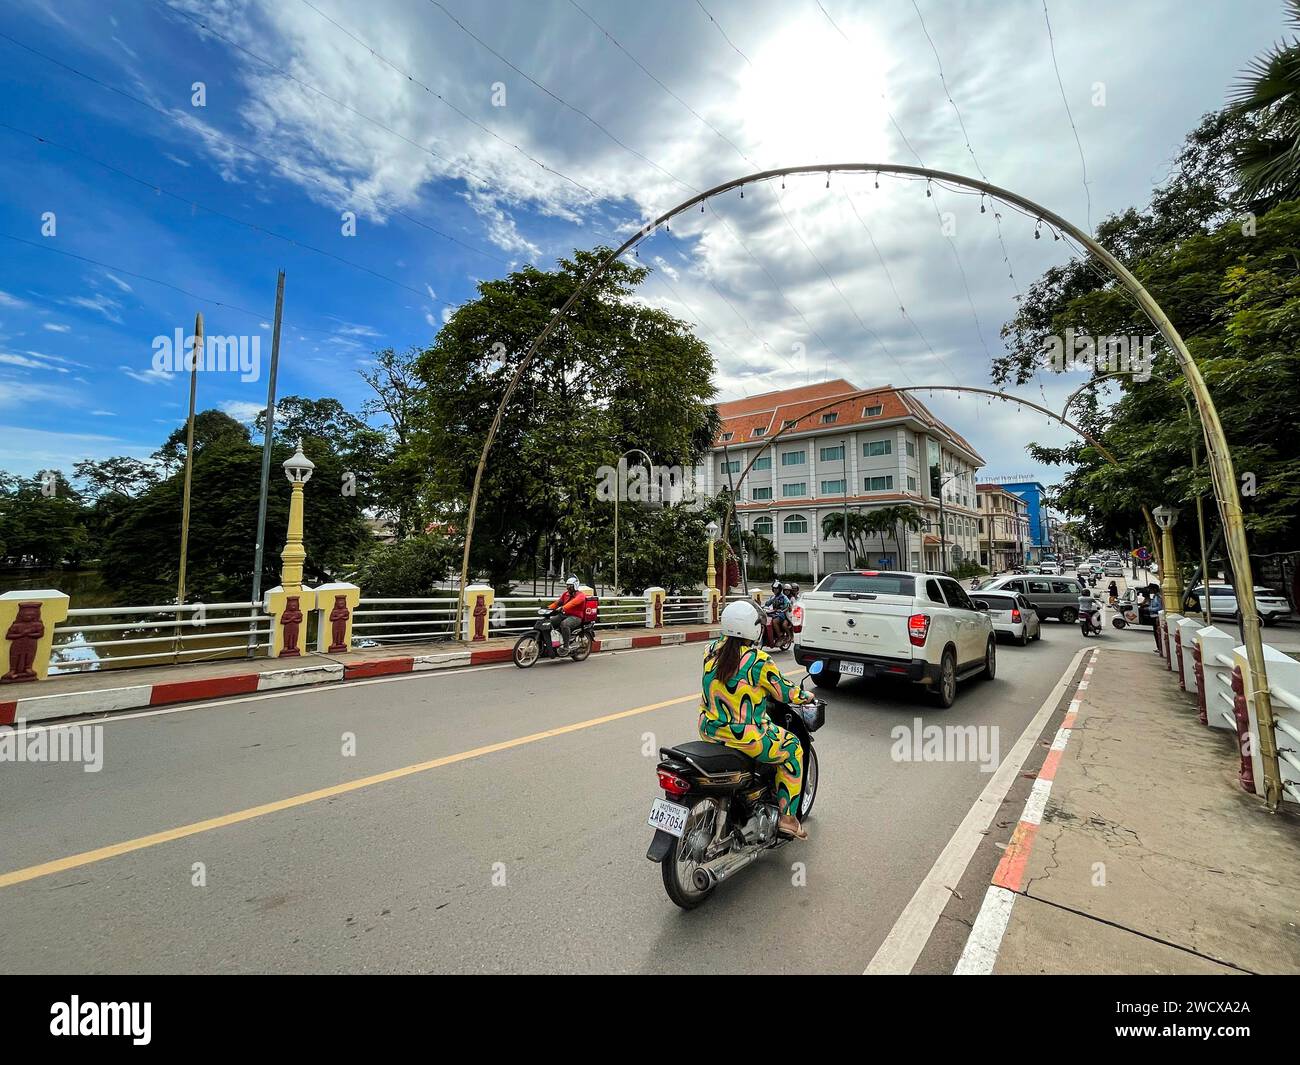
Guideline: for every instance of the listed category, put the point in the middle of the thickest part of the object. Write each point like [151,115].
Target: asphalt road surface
[485,820]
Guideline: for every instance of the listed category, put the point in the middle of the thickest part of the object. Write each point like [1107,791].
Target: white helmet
[572,584]
[742,619]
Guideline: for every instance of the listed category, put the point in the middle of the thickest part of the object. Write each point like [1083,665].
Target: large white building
[864,451]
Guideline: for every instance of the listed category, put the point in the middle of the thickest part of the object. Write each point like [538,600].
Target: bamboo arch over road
[1222,471]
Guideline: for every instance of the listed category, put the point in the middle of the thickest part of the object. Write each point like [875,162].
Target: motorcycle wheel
[527,650]
[1118,622]
[679,870]
[809,794]
[581,648]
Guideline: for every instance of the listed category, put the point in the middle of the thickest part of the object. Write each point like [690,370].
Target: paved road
[526,856]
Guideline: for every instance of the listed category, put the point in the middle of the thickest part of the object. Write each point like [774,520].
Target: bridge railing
[95,638]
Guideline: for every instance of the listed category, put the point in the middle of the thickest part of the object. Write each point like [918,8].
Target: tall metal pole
[195,356]
[844,454]
[268,432]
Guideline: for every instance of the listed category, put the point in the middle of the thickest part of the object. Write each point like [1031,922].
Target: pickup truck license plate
[850,669]
[668,817]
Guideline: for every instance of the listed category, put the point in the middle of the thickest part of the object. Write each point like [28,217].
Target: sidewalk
[103,691]
[1146,856]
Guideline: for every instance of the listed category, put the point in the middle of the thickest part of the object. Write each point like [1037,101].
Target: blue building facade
[1033,493]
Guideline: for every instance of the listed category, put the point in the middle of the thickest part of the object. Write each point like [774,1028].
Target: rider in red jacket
[571,602]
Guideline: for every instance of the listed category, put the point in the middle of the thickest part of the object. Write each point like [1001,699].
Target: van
[1050,596]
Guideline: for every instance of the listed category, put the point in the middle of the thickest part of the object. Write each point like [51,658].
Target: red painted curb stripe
[646,641]
[182,691]
[496,654]
[378,668]
[7,711]
[1010,872]
[696,637]
[1050,764]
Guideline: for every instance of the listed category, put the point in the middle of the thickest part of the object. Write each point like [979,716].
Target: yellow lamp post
[1166,517]
[711,578]
[298,469]
[289,604]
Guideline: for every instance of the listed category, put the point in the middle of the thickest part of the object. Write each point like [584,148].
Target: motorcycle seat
[709,757]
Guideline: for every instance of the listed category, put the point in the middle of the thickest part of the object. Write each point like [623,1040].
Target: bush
[409,567]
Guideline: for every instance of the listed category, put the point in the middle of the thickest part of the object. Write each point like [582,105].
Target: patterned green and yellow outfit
[733,711]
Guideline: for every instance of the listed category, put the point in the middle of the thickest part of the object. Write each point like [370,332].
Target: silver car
[1012,615]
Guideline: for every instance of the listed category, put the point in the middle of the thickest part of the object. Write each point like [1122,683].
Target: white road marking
[981,952]
[910,933]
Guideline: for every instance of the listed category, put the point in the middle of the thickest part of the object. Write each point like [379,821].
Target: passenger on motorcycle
[1088,606]
[571,603]
[740,680]
[779,606]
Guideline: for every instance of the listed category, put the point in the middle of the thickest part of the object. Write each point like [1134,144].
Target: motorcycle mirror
[816,668]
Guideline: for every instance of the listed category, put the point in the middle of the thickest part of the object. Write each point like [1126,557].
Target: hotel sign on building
[865,452]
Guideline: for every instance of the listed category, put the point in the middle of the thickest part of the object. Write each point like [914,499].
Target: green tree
[1268,160]
[615,374]
[410,567]
[43,520]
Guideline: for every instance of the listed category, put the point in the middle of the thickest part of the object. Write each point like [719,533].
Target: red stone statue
[480,618]
[291,619]
[659,611]
[339,624]
[24,634]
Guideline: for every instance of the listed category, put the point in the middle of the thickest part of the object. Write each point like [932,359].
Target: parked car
[1051,597]
[919,627]
[1012,615]
[1270,606]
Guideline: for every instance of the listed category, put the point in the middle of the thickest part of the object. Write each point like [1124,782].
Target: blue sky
[349,131]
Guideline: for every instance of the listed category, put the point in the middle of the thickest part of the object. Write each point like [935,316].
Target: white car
[1051,569]
[920,627]
[1012,615]
[1270,606]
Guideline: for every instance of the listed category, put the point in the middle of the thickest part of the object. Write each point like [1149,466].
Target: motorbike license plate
[850,669]
[668,817]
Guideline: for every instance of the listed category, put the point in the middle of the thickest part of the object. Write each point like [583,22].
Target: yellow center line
[74,861]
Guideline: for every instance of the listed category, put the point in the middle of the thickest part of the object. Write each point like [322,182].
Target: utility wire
[1083,163]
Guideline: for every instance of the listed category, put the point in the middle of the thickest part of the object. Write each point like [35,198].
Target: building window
[796,564]
[981,526]
[878,484]
[764,526]
[761,493]
[764,463]
[727,436]
[789,423]
[799,489]
[872,412]
[911,484]
[878,447]
[833,488]
[794,458]
[795,523]
[831,454]
[830,418]
[760,431]
[911,450]
[731,466]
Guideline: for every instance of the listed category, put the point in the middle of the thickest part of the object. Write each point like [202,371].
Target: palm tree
[860,528]
[1268,163]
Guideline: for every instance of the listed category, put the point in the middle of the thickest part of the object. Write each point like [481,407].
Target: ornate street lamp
[712,576]
[298,469]
[1166,517]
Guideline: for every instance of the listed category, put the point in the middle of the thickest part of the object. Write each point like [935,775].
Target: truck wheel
[945,689]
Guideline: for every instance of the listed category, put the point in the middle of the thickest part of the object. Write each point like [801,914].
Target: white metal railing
[514,614]
[686,609]
[403,620]
[139,635]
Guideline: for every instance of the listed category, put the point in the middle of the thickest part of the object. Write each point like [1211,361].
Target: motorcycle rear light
[672,783]
[918,628]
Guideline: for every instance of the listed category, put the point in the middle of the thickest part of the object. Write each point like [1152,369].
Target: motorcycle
[719,811]
[1090,623]
[1127,614]
[544,640]
[774,637]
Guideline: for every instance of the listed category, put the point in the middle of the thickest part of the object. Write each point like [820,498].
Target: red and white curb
[981,951]
[135,696]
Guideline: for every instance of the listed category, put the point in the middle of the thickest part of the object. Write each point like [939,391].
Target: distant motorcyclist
[1088,607]
[571,604]
[778,605]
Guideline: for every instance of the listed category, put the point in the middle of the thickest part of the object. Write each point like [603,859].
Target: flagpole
[195,356]
[267,435]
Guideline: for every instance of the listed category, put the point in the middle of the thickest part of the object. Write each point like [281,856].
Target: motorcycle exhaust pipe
[726,867]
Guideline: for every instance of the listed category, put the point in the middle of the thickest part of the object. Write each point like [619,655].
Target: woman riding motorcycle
[739,680]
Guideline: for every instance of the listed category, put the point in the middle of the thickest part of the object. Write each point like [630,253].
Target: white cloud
[24,361]
[100,304]
[118,281]
[7,300]
[242,411]
[55,327]
[147,377]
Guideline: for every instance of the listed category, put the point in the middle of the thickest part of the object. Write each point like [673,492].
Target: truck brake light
[918,628]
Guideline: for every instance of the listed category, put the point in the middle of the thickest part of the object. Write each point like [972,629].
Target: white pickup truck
[896,624]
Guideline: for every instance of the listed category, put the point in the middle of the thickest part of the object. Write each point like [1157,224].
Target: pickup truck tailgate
[857,624]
